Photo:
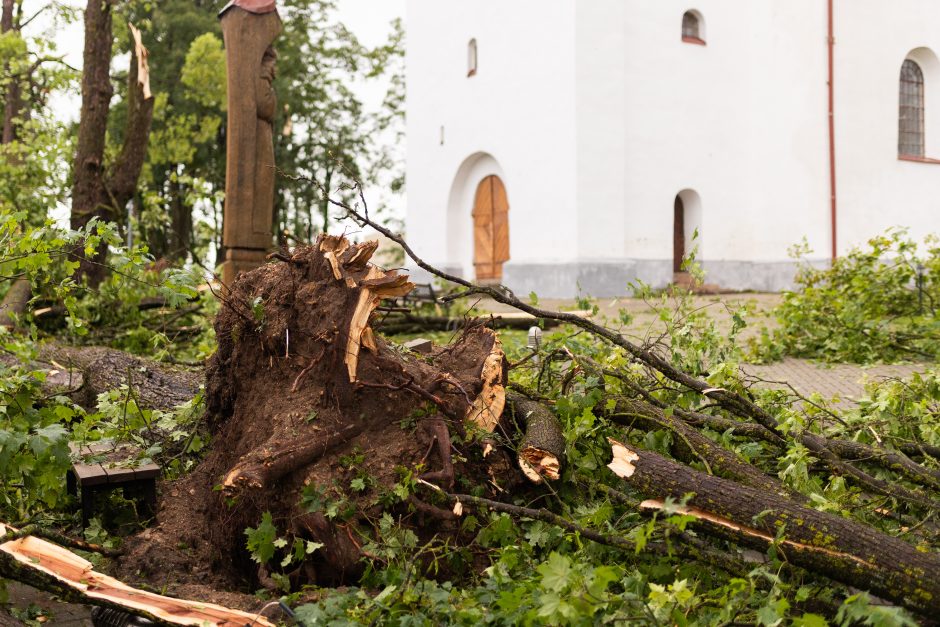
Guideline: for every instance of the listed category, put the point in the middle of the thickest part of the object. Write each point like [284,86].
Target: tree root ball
[327,426]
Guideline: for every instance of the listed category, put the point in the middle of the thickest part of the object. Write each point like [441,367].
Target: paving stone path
[843,381]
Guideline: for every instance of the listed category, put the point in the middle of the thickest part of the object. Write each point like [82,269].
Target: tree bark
[541,450]
[839,548]
[15,302]
[89,197]
[690,446]
[89,371]
[6,17]
[181,222]
[12,100]
[95,192]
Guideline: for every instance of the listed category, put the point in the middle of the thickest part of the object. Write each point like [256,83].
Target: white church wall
[741,121]
[876,189]
[593,227]
[601,87]
[518,110]
[596,114]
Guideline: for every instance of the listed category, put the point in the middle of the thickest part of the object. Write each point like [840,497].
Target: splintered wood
[143,68]
[51,562]
[622,463]
[537,463]
[488,406]
[374,286]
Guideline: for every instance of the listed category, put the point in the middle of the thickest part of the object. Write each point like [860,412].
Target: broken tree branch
[839,548]
[542,447]
[50,567]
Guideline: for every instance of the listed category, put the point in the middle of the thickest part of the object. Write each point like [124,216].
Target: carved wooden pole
[249,27]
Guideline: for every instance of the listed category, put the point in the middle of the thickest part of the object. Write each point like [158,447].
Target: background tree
[322,126]
[33,144]
[98,190]
[326,129]
[185,167]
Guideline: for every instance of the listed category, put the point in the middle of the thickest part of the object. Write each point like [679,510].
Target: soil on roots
[317,421]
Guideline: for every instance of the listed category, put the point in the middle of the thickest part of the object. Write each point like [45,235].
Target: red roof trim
[917,159]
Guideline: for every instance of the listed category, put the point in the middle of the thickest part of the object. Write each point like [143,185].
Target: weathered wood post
[249,27]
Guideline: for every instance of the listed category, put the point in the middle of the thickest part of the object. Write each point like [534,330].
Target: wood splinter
[376,285]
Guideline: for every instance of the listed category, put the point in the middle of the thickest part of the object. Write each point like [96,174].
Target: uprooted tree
[301,385]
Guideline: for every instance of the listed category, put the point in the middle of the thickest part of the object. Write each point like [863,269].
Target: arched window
[692,28]
[472,57]
[911,115]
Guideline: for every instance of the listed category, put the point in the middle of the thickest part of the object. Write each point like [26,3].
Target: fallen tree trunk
[839,548]
[84,372]
[411,323]
[898,461]
[690,446]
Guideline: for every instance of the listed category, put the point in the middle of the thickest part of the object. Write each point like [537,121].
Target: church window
[472,58]
[692,31]
[911,115]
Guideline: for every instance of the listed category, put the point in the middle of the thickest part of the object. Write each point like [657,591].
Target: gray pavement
[844,382]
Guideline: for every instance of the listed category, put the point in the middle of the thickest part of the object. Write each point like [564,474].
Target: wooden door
[678,235]
[490,229]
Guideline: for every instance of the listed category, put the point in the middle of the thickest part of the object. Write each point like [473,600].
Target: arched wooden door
[678,235]
[490,229]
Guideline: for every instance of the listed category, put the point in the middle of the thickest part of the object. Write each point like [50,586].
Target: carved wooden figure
[249,27]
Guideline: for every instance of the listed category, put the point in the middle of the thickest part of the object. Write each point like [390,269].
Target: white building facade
[560,146]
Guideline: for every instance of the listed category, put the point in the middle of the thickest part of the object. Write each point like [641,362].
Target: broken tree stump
[304,398]
[542,447]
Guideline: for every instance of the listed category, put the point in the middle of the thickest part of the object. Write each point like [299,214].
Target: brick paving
[845,382]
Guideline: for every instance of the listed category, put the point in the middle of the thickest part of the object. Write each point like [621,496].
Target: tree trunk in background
[94,193]
[6,17]
[12,101]
[181,223]
[88,189]
[17,297]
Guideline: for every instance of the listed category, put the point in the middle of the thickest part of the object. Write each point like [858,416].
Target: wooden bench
[118,472]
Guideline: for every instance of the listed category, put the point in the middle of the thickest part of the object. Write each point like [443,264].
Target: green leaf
[556,572]
[261,539]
